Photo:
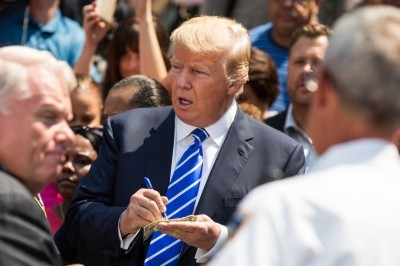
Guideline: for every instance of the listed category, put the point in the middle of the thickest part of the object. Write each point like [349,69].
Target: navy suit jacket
[139,143]
[277,121]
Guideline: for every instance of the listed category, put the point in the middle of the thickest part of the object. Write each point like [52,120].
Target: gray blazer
[25,237]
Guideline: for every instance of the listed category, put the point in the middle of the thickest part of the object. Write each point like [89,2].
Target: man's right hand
[145,207]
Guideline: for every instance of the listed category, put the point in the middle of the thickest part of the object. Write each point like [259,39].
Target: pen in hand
[149,186]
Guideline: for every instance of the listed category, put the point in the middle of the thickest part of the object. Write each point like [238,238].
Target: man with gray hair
[34,109]
[345,212]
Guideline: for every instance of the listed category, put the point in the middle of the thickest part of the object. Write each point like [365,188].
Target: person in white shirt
[346,211]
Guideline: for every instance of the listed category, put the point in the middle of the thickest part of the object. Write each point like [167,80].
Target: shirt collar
[290,122]
[52,26]
[217,131]
[355,152]
[292,129]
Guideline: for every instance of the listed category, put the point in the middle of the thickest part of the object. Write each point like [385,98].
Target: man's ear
[316,4]
[234,87]
[326,95]
[319,97]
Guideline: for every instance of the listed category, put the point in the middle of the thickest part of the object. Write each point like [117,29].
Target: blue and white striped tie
[181,194]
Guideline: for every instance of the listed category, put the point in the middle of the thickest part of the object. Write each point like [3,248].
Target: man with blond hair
[202,155]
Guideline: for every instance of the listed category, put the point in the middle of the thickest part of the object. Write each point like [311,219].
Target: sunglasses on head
[84,128]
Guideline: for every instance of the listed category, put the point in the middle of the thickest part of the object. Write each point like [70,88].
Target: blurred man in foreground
[346,211]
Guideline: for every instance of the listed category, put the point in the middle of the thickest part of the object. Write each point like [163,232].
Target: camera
[11,3]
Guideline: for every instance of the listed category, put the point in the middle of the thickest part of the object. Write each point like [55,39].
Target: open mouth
[184,102]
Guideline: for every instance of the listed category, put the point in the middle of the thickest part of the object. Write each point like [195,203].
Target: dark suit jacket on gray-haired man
[34,109]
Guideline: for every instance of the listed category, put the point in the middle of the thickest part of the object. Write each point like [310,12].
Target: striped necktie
[182,193]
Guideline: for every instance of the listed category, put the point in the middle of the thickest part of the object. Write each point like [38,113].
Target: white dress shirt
[346,212]
[211,147]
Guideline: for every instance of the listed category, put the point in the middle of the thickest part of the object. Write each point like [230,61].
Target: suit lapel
[232,157]
[158,151]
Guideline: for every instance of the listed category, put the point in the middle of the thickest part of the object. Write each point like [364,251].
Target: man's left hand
[201,234]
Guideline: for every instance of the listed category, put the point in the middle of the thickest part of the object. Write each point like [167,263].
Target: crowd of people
[110,127]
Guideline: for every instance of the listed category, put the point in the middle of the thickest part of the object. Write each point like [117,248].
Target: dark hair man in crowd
[307,52]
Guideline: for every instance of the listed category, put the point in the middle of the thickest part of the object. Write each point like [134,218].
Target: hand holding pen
[145,206]
[149,186]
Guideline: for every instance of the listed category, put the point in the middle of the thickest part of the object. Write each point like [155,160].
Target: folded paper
[152,227]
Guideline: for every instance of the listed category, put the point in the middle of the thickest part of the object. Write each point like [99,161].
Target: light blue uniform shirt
[61,36]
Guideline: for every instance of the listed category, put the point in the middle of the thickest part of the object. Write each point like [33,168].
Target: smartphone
[106,9]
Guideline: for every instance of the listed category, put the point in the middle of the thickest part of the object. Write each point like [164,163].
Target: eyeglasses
[299,2]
